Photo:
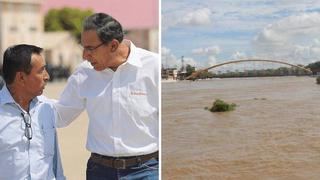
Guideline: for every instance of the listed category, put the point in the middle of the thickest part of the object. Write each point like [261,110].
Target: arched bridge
[195,74]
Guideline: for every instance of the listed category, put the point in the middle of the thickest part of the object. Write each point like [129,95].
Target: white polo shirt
[122,106]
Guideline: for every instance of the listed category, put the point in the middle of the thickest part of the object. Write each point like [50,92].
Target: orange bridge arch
[195,74]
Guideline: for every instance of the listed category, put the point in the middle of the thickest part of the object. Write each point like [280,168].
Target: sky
[209,32]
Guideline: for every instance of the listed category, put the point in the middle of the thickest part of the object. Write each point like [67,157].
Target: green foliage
[205,74]
[318,80]
[190,69]
[314,67]
[221,106]
[281,71]
[68,19]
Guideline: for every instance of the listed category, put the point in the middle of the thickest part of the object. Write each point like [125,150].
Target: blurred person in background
[118,87]
[28,140]
[1,82]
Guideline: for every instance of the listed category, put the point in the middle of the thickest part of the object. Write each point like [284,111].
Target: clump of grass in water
[318,80]
[221,106]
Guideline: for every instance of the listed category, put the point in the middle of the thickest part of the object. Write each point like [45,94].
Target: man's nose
[46,76]
[86,55]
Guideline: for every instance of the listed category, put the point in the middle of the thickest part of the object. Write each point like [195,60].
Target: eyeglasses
[91,49]
[27,122]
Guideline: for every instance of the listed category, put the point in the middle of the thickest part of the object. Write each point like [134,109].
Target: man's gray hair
[105,25]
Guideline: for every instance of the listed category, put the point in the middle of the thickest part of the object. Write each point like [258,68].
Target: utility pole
[183,68]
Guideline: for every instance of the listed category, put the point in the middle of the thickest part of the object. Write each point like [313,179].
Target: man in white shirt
[118,86]
[28,139]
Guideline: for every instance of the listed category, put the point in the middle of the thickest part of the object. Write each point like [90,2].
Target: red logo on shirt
[138,93]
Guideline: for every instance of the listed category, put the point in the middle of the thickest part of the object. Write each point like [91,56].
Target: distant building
[21,21]
[144,38]
[169,74]
[61,49]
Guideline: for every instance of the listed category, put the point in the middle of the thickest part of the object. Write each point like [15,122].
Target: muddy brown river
[274,132]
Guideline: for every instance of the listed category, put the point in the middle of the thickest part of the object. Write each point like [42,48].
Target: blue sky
[208,32]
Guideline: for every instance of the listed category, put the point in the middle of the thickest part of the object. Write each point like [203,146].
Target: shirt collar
[6,98]
[133,57]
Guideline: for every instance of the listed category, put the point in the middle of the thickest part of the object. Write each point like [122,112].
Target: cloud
[197,17]
[168,60]
[165,51]
[213,50]
[211,61]
[286,30]
[168,21]
[210,52]
[171,61]
[315,48]
[191,61]
[239,55]
[293,38]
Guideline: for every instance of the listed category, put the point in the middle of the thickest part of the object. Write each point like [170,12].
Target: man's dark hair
[106,26]
[17,58]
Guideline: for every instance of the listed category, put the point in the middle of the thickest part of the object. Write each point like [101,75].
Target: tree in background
[190,69]
[314,67]
[68,19]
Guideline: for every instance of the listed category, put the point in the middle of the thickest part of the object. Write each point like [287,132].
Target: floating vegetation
[318,80]
[221,106]
[260,98]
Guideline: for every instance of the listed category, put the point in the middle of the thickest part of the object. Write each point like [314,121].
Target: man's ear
[20,77]
[114,45]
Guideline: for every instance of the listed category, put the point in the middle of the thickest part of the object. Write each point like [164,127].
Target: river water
[274,132]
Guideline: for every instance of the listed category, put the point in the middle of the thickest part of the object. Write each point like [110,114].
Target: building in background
[22,21]
[169,74]
[62,49]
